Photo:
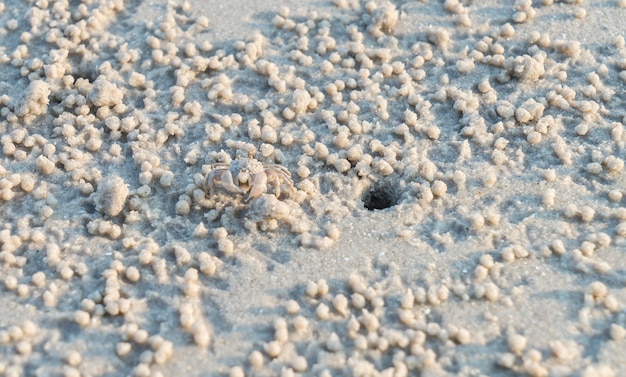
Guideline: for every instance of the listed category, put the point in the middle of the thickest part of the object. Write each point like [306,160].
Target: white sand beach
[313,188]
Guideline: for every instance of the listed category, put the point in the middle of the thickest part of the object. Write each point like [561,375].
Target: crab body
[248,175]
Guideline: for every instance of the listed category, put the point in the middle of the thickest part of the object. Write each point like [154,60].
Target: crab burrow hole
[380,196]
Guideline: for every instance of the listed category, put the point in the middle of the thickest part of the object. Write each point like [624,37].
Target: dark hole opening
[380,197]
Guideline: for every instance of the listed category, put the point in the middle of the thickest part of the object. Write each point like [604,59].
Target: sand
[332,188]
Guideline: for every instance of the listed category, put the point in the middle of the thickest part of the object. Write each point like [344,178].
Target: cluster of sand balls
[375,330]
[352,334]
[109,133]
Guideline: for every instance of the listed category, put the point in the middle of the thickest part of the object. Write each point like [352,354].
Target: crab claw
[259,186]
[228,183]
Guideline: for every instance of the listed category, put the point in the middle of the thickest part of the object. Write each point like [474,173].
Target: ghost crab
[248,175]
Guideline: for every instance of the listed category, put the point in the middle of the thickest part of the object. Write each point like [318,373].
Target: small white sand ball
[370,321]
[303,171]
[133,274]
[477,221]
[438,36]
[582,129]
[255,359]
[439,188]
[491,291]
[598,289]
[333,232]
[558,247]
[534,138]
[342,165]
[463,336]
[549,175]
[311,289]
[407,300]
[82,318]
[122,349]
[281,335]
[322,287]
[73,358]
[22,290]
[340,303]
[506,360]
[272,348]
[38,279]
[24,347]
[15,333]
[292,307]
[358,301]
[44,165]
[111,195]
[383,167]
[300,324]
[28,182]
[66,273]
[598,371]
[220,233]
[299,364]
[570,210]
[611,303]
[516,343]
[480,272]
[202,338]
[385,17]
[486,260]
[580,13]
[29,328]
[141,370]
[269,207]
[614,164]
[186,320]
[587,213]
[10,282]
[602,239]
[594,168]
[522,115]
[35,99]
[105,93]
[525,67]
[236,371]
[226,246]
[508,254]
[166,179]
[459,178]
[182,208]
[617,332]
[465,66]
[322,312]
[587,248]
[140,336]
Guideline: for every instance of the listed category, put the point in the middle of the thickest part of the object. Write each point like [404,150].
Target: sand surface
[419,188]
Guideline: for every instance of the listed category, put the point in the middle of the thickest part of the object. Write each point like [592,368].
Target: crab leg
[259,187]
[273,176]
[211,181]
[292,189]
[277,187]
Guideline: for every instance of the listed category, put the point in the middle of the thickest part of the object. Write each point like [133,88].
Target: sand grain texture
[442,190]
